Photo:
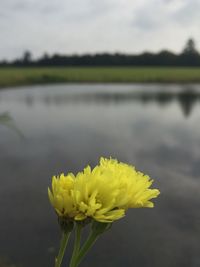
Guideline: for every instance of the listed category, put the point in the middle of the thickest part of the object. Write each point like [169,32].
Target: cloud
[79,26]
[156,14]
[188,13]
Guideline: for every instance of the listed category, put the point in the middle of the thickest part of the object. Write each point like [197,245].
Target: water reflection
[68,126]
[7,120]
[187,97]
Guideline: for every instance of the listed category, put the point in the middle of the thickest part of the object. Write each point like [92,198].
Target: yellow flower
[104,193]
[60,197]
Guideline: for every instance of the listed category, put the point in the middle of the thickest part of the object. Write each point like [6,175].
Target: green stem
[63,244]
[76,245]
[86,247]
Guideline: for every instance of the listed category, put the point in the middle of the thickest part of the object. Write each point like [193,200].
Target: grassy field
[29,76]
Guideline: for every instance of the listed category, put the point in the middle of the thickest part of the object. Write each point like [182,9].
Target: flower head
[103,193]
[60,196]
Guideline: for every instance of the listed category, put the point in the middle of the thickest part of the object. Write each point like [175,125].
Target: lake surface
[61,128]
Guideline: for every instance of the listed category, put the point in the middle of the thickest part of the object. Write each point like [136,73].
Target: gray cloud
[69,26]
[188,12]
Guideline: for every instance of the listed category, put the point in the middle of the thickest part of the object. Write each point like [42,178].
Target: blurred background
[85,79]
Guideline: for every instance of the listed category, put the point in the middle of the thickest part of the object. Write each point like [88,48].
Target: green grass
[29,76]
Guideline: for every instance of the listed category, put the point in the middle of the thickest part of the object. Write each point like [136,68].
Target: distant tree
[165,58]
[189,55]
[4,62]
[190,47]
[45,56]
[27,57]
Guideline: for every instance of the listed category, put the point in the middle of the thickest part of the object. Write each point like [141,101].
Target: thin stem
[86,247]
[76,244]
[63,245]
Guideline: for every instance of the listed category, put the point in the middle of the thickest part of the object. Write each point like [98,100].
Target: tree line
[188,57]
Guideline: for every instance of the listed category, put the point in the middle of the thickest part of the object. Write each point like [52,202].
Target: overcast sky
[80,26]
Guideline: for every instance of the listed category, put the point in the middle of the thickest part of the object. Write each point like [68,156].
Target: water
[65,127]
